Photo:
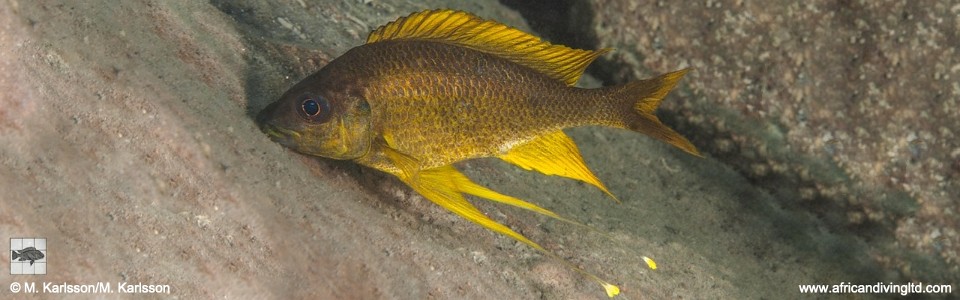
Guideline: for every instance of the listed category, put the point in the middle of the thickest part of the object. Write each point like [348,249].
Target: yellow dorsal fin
[554,154]
[464,29]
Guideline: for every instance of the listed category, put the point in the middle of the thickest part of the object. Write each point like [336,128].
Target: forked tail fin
[645,96]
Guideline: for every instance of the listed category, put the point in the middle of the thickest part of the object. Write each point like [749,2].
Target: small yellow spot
[612,290]
[650,263]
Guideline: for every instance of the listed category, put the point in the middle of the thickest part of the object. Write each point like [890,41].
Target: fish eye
[310,107]
[314,108]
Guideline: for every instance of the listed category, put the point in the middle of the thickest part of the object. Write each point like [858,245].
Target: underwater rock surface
[126,131]
[844,109]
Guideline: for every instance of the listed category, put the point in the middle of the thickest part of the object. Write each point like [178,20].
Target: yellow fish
[442,86]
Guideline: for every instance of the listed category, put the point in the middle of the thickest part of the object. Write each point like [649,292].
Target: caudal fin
[646,96]
[15,255]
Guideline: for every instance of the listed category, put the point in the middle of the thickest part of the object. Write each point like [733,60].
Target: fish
[442,86]
[28,253]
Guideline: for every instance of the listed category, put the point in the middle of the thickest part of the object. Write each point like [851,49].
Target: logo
[28,256]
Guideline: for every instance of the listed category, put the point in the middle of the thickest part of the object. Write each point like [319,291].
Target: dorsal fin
[464,29]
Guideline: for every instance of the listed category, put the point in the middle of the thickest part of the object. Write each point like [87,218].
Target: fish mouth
[286,137]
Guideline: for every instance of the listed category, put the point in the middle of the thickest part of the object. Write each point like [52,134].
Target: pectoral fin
[409,166]
[554,154]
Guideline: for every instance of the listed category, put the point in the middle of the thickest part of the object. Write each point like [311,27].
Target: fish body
[440,86]
[28,253]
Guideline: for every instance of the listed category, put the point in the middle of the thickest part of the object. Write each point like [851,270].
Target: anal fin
[554,154]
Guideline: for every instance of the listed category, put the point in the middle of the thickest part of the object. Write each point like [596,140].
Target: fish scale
[481,118]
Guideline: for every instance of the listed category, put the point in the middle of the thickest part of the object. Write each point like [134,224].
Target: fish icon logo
[27,254]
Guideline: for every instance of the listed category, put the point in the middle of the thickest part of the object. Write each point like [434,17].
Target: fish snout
[264,116]
[266,121]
